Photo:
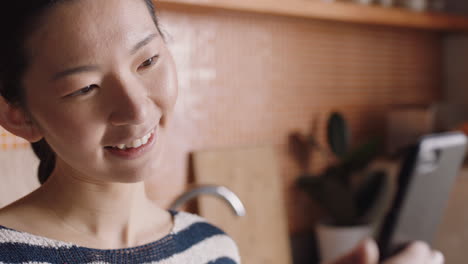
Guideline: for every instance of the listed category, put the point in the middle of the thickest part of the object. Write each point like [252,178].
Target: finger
[436,257]
[365,253]
[416,252]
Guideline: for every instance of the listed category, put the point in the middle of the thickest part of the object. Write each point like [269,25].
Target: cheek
[174,83]
[167,85]
[66,126]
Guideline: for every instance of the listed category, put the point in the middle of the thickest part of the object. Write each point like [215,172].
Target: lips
[134,152]
[136,143]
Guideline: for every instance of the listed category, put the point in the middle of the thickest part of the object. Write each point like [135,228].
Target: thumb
[365,253]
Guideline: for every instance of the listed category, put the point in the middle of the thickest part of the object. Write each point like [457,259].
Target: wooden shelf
[331,11]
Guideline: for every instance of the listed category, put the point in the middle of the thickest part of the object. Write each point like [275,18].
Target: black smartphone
[424,183]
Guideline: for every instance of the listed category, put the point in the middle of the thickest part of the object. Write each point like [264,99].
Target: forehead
[90,28]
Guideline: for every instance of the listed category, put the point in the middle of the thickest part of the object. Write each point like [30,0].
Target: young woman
[92,86]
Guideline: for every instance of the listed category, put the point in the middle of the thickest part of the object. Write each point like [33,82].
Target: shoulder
[18,247]
[23,216]
[197,237]
[12,217]
[22,213]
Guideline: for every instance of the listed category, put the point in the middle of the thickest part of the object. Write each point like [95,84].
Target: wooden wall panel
[249,79]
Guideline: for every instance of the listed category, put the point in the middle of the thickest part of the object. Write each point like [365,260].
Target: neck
[119,214]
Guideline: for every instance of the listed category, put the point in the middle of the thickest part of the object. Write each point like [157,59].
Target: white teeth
[136,143]
[145,139]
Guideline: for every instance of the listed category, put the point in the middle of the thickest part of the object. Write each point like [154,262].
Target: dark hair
[17,21]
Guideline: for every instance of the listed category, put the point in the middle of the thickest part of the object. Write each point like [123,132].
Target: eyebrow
[143,43]
[90,68]
[76,70]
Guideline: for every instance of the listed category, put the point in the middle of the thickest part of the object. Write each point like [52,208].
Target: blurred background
[252,73]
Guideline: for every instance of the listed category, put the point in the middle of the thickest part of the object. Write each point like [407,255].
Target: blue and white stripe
[192,241]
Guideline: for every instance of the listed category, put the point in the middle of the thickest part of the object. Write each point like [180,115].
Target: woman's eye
[149,62]
[83,91]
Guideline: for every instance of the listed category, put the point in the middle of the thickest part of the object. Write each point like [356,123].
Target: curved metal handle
[219,191]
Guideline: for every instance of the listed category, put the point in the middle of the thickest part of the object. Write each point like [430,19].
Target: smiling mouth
[134,144]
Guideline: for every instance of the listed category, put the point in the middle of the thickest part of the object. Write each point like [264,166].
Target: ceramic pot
[335,241]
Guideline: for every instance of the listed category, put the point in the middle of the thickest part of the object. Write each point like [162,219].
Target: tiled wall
[10,142]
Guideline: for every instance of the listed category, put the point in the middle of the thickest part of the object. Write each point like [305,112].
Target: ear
[18,122]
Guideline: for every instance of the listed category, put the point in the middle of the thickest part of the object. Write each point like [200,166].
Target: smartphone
[423,186]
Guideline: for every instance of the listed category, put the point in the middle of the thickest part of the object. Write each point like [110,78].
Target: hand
[417,252]
[368,253]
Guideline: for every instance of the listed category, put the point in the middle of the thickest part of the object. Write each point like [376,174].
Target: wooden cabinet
[332,11]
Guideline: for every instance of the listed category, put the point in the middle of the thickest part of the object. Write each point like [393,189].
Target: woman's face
[100,76]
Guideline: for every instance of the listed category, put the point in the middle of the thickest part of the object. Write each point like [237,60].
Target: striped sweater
[192,240]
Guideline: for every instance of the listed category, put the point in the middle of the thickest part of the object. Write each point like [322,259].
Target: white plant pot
[336,241]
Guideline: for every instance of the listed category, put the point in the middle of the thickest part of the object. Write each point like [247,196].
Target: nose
[129,103]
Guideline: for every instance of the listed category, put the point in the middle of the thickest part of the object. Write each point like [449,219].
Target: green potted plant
[351,196]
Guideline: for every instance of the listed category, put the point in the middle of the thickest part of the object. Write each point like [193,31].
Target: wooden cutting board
[252,174]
